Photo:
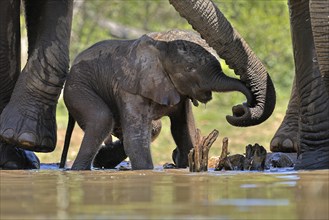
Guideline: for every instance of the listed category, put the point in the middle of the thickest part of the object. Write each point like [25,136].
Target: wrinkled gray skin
[317,29]
[306,125]
[305,128]
[28,98]
[120,87]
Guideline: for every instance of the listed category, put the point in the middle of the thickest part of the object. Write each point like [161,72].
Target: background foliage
[264,24]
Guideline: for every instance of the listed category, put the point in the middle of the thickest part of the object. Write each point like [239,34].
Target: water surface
[163,194]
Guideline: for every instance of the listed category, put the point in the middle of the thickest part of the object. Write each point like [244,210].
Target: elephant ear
[145,74]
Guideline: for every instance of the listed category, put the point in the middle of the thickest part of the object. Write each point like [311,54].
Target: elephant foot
[311,160]
[13,158]
[28,121]
[32,128]
[285,138]
[110,155]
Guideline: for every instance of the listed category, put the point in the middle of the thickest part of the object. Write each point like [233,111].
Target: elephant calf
[120,86]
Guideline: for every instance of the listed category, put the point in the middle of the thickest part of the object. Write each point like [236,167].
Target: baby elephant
[120,86]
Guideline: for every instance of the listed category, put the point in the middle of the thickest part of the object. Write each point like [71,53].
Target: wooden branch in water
[198,156]
[254,159]
[225,152]
[224,159]
[197,151]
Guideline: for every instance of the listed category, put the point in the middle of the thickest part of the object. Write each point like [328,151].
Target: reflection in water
[157,194]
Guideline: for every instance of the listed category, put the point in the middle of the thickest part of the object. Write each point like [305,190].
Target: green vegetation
[263,24]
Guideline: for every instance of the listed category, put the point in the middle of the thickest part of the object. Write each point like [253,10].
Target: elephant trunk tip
[244,115]
[258,109]
[241,116]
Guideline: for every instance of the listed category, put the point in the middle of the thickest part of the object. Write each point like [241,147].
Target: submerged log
[198,156]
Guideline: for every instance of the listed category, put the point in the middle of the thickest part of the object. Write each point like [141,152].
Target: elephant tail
[69,130]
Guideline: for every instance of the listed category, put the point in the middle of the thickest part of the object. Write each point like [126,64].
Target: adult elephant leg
[285,138]
[29,118]
[314,98]
[319,11]
[10,67]
[10,58]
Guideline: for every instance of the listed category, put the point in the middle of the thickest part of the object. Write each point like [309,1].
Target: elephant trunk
[206,18]
[219,82]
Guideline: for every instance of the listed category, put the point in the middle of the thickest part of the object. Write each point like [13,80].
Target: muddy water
[164,194]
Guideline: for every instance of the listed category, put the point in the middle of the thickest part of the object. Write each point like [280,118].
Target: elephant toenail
[27,139]
[275,143]
[288,144]
[47,142]
[8,134]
